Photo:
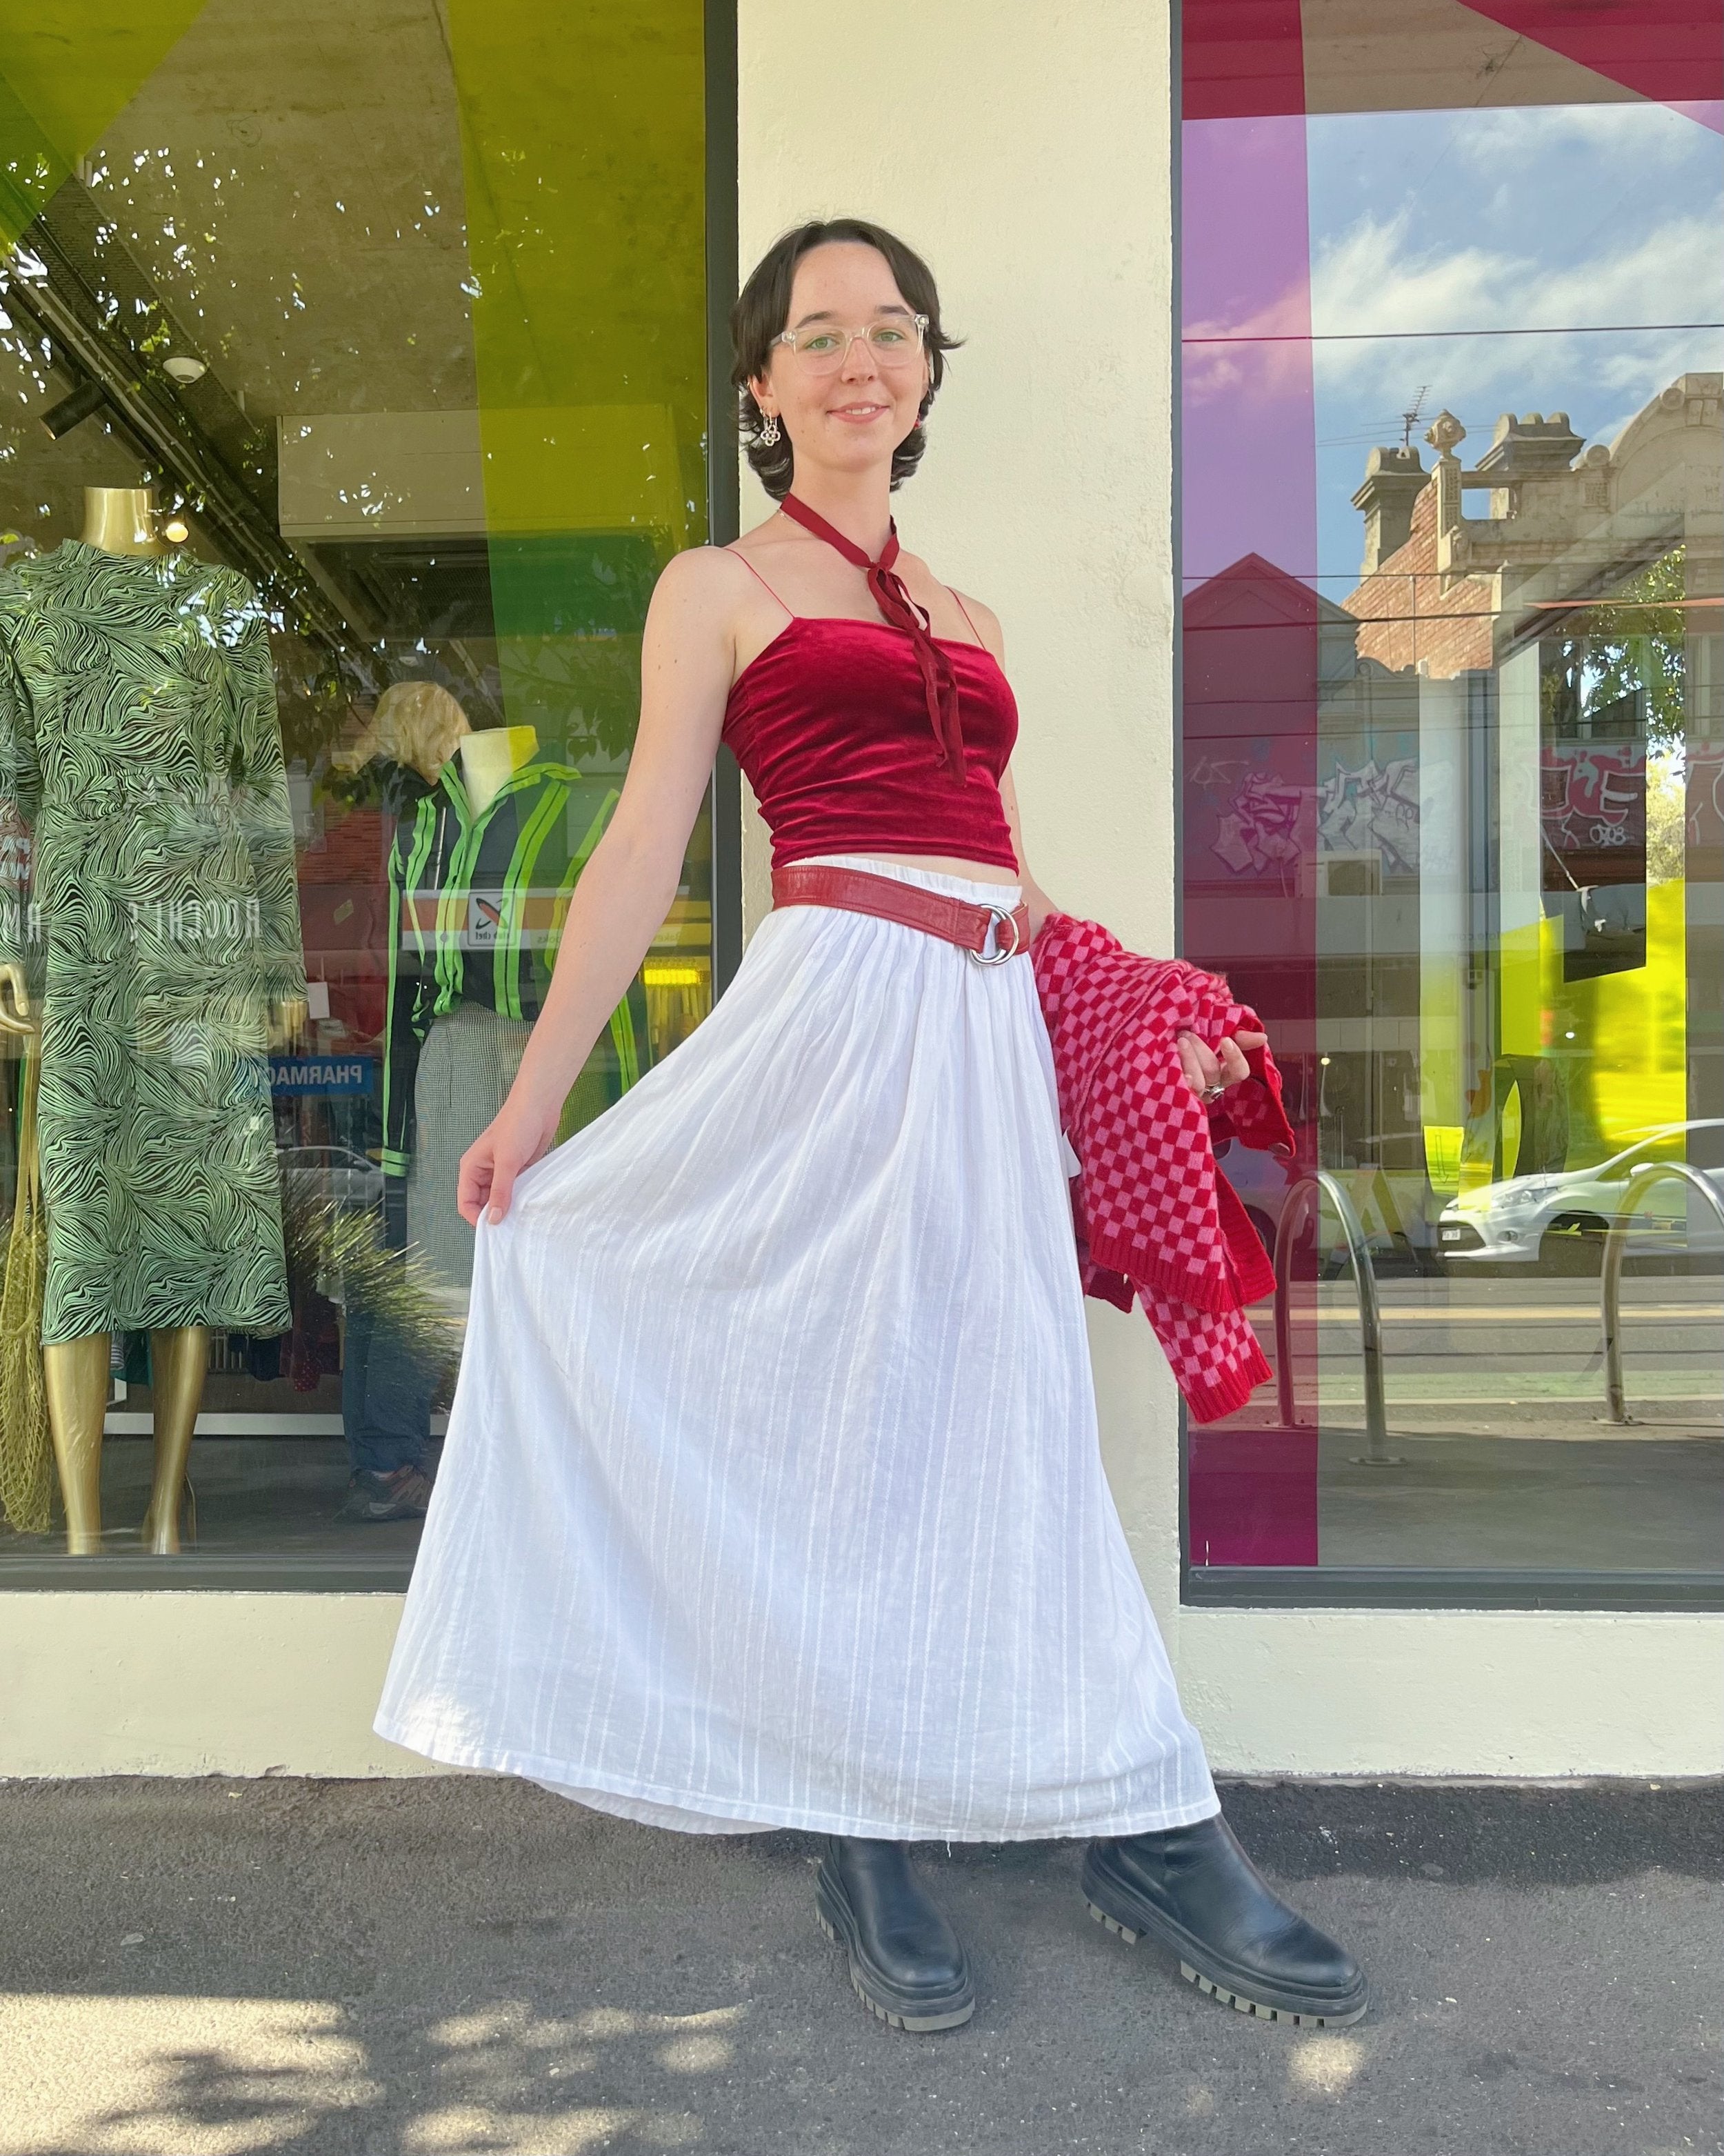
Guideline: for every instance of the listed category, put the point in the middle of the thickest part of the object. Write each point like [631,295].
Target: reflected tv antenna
[1410,418]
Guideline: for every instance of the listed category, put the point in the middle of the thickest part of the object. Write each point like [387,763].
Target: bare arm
[1205,1069]
[627,887]
[1035,897]
[986,623]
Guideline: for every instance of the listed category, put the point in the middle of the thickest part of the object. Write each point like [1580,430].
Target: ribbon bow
[900,611]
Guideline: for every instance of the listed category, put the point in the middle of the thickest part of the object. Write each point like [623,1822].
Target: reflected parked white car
[1559,1220]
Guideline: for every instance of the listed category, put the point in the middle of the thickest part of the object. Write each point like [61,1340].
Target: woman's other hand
[513,1140]
[1209,1071]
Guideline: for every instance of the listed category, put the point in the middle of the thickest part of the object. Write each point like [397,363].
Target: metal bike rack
[1642,1178]
[1306,1194]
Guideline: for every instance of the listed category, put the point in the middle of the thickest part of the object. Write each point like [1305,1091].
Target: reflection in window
[1453,474]
[363,332]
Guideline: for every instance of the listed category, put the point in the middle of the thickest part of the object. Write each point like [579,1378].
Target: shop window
[353,392]
[1453,553]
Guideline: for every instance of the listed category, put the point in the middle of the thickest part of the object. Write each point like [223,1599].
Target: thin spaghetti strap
[762,582]
[965,612]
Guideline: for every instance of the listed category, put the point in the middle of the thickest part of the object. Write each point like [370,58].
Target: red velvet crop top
[830,726]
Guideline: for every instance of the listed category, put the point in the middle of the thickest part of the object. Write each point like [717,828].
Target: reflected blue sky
[1597,224]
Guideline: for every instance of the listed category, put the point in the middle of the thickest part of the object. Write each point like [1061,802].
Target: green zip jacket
[478,904]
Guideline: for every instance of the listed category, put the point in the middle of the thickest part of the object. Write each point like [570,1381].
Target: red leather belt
[954,920]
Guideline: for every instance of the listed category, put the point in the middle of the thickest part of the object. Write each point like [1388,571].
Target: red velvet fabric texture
[830,726]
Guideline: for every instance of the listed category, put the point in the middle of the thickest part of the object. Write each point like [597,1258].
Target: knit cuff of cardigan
[1210,1394]
[1173,1277]
[1252,1112]
[1210,1399]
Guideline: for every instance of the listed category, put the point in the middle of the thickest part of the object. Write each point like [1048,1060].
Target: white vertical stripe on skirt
[772,1495]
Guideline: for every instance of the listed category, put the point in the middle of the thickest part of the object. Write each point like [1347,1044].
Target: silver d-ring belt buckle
[1000,920]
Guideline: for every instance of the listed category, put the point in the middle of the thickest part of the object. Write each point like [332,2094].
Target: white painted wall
[1513,1692]
[195,1684]
[263,1684]
[1023,147]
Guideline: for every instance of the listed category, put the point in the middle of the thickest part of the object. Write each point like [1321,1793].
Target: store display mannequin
[121,520]
[417,725]
[489,759]
[489,839]
[420,725]
[249,1288]
[469,1064]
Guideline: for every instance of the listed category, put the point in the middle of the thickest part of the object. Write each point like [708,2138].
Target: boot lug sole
[1304,2017]
[911,2023]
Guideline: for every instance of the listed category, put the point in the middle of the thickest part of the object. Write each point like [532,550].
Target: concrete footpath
[386,1968]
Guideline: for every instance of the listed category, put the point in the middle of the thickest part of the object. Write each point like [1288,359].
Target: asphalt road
[387,1969]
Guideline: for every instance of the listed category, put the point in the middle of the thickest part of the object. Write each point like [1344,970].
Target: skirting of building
[286,1684]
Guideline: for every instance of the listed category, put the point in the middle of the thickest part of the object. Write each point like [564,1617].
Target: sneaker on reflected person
[401,1494]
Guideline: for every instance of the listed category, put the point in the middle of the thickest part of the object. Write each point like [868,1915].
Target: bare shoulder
[702,598]
[925,586]
[986,621]
[701,577]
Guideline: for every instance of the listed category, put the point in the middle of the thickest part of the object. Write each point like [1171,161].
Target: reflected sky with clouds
[1597,224]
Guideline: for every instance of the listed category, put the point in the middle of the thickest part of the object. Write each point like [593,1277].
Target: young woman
[773,1494]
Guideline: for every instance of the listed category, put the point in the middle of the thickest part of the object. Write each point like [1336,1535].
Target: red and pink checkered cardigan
[1157,1221]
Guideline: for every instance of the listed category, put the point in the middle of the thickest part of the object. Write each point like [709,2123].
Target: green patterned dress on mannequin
[147,854]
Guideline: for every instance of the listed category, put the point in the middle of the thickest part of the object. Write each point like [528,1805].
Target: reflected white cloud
[1595,225]
[1372,278]
[1523,136]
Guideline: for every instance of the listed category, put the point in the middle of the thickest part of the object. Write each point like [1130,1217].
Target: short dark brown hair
[762,311]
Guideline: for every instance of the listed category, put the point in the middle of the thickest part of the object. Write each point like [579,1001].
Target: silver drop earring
[769,431]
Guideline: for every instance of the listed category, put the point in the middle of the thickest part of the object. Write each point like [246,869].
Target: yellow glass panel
[68,69]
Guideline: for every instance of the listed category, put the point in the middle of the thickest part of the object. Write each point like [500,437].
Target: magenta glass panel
[1668,49]
[1250,645]
[1246,379]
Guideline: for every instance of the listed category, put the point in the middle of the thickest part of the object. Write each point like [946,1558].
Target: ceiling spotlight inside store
[184,368]
[72,411]
[177,530]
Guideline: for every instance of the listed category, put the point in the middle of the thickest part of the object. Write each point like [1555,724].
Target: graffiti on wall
[1592,809]
[1266,824]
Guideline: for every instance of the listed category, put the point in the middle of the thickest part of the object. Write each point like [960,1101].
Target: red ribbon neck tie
[900,611]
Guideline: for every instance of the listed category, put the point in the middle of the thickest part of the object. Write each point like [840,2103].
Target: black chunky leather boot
[1194,1891]
[906,1963]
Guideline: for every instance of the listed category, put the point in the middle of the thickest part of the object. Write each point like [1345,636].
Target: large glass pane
[354,378]
[1453,536]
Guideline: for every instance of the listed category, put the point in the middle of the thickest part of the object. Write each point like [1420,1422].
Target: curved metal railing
[1642,1178]
[1308,1191]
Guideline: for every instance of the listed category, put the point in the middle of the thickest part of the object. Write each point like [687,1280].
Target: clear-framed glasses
[894,340]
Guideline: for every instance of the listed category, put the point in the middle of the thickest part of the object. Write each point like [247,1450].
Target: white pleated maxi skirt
[772,1495]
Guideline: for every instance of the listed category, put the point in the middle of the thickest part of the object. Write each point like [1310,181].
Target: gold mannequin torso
[121,520]
[490,758]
